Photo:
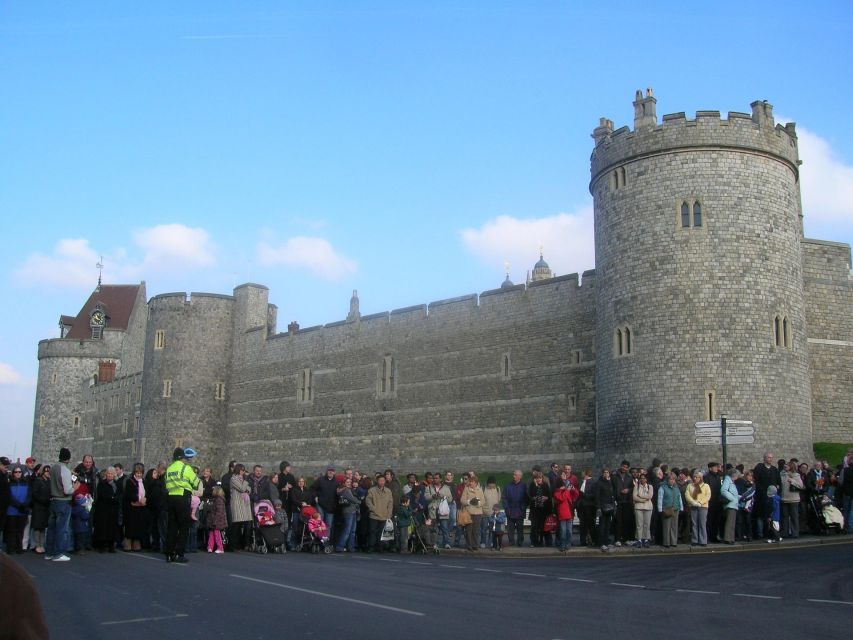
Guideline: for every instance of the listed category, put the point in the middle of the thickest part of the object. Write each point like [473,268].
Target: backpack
[443,509]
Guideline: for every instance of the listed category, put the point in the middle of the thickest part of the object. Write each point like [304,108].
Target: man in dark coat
[764,475]
[714,479]
[515,506]
[4,489]
[623,490]
[325,493]
[286,481]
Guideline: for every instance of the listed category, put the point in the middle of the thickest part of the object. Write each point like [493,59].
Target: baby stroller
[422,539]
[825,514]
[309,541]
[268,533]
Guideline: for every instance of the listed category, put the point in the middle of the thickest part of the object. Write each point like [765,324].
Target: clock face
[98,318]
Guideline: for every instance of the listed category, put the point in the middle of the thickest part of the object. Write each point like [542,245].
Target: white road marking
[532,575]
[576,579]
[488,570]
[697,591]
[829,601]
[428,564]
[755,595]
[625,584]
[155,559]
[388,560]
[135,620]
[452,566]
[328,595]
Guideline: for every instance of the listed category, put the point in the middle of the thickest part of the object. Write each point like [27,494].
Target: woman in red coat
[564,502]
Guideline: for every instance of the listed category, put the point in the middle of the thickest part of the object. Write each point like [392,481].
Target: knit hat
[64,455]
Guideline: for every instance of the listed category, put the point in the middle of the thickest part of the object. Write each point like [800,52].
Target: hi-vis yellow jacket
[180,479]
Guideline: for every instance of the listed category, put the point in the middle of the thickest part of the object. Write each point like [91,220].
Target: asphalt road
[779,592]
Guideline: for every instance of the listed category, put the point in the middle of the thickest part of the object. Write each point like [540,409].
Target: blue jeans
[328,518]
[848,512]
[443,530]
[486,530]
[347,539]
[565,538]
[57,527]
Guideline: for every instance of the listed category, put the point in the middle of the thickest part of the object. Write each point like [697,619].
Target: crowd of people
[56,510]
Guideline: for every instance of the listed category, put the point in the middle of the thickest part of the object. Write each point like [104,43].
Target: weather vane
[100,267]
[506,266]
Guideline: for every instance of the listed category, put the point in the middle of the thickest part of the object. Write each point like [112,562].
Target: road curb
[631,552]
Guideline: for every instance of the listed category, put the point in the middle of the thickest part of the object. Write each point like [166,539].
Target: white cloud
[566,238]
[8,375]
[826,182]
[163,247]
[169,244]
[315,254]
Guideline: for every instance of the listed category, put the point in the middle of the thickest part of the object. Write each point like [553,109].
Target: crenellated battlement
[576,291]
[755,133]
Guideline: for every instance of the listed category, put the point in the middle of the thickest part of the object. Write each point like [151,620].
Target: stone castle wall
[829,317]
[699,302]
[451,402]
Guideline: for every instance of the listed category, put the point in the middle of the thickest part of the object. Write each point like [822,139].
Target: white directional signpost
[725,432]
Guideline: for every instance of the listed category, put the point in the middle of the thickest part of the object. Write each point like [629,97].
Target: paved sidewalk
[528,552]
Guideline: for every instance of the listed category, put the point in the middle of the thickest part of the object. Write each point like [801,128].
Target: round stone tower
[699,286]
[187,366]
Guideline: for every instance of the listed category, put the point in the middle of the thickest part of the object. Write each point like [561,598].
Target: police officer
[181,481]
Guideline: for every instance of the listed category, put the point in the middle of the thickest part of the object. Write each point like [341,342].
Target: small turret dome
[507,283]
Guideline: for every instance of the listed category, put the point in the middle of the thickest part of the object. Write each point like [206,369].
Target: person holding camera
[471,500]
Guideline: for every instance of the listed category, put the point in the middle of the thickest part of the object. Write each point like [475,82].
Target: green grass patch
[832,451]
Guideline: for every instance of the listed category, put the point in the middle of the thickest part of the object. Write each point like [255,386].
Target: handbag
[463,518]
[668,512]
[387,531]
[550,525]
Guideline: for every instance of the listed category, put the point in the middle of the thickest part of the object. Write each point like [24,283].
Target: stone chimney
[762,113]
[602,131]
[645,110]
[293,327]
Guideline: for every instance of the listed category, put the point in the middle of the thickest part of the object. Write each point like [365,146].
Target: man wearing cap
[181,481]
[61,492]
[325,492]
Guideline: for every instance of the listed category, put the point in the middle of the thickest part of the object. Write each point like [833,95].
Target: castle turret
[699,294]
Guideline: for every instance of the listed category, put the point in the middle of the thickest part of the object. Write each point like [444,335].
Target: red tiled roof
[117,302]
[66,321]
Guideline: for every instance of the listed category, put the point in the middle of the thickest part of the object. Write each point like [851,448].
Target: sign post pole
[723,439]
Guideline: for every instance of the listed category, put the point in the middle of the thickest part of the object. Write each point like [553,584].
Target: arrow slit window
[710,405]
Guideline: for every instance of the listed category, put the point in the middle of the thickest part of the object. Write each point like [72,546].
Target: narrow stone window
[786,332]
[617,344]
[576,356]
[139,394]
[159,339]
[622,176]
[53,379]
[627,341]
[685,215]
[777,331]
[136,424]
[305,393]
[710,405]
[697,214]
[219,391]
[41,421]
[76,421]
[133,448]
[167,388]
[124,426]
[614,181]
[505,366]
[573,402]
[127,400]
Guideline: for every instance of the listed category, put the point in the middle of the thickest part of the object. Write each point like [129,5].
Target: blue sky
[406,150]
